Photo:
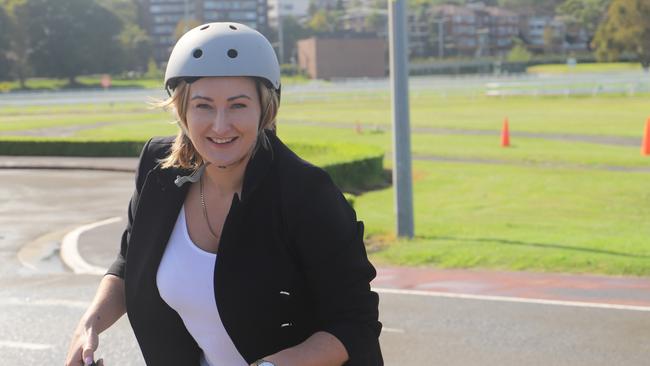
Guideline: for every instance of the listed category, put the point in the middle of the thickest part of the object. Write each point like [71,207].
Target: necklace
[205,210]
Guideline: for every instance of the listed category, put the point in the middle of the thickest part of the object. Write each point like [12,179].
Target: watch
[263,363]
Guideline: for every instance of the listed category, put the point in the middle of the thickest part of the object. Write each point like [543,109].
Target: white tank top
[185,281]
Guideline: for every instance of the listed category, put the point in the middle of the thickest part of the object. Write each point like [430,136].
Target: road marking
[13,301]
[511,299]
[70,249]
[392,330]
[25,345]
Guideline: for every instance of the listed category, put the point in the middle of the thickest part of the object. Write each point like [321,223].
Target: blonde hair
[183,154]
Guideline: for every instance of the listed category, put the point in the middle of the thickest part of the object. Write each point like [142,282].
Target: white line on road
[392,330]
[13,301]
[70,249]
[511,299]
[25,345]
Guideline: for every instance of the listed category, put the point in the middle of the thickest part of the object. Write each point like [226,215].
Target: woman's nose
[220,122]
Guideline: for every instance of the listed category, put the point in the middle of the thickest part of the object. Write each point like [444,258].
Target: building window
[167,8]
[163,29]
[242,15]
[166,18]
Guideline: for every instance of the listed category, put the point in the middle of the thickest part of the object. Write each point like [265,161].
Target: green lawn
[615,115]
[583,68]
[542,204]
[566,220]
[587,115]
[95,82]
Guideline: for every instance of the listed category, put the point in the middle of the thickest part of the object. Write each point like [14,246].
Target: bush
[291,70]
[353,168]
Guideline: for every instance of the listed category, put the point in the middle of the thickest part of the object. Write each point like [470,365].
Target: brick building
[160,18]
[327,58]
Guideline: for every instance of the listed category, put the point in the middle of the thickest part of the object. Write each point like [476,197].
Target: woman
[237,252]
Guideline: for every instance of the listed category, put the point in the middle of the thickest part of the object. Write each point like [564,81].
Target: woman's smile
[222,141]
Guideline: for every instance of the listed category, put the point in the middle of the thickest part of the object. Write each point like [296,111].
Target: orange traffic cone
[645,147]
[505,134]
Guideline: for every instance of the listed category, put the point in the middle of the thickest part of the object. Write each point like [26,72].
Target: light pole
[402,179]
[186,15]
[280,33]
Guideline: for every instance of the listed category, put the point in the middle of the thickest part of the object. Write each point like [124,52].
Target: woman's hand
[107,306]
[82,349]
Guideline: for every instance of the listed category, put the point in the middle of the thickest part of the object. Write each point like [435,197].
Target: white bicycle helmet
[222,49]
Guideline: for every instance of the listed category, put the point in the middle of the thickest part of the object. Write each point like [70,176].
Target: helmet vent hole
[205,27]
[232,53]
[233,27]
[197,53]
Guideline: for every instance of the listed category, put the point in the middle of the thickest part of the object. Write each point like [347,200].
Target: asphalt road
[40,301]
[516,84]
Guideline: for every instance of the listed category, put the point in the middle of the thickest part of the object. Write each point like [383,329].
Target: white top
[185,281]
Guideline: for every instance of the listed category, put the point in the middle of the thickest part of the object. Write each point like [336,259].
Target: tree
[293,32]
[137,48]
[583,14]
[71,37]
[625,29]
[519,53]
[324,21]
[551,41]
[375,22]
[535,6]
[19,49]
[126,10]
[5,32]
[184,26]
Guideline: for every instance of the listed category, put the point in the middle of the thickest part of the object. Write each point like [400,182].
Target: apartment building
[475,30]
[293,8]
[161,18]
[546,33]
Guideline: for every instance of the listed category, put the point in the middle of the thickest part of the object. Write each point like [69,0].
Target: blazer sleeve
[329,242]
[144,165]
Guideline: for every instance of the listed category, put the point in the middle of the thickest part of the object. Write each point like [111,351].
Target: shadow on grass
[537,245]
[385,182]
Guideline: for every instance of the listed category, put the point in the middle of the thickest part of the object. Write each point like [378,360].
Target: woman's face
[222,119]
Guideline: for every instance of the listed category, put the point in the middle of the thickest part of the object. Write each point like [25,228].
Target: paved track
[40,303]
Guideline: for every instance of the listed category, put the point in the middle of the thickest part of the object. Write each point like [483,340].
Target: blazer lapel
[157,211]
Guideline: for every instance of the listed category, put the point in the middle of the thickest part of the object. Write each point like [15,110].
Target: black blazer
[291,262]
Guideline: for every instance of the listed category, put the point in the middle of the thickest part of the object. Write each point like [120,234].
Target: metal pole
[401,130]
[186,12]
[441,29]
[280,34]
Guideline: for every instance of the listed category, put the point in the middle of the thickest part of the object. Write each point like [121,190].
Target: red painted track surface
[548,286]
[633,291]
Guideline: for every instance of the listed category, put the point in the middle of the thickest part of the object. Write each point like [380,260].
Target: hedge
[353,168]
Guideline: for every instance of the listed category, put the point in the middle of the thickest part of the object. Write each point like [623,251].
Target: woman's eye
[238,106]
[202,106]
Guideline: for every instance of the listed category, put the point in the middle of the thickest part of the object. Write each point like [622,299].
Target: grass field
[584,68]
[95,82]
[554,201]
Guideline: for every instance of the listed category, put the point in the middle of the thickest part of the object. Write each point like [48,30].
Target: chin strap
[192,178]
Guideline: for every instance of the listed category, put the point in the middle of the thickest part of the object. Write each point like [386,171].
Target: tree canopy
[67,38]
[626,29]
[584,13]
[5,31]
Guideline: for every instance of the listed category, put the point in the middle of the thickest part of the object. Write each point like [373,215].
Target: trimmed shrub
[353,168]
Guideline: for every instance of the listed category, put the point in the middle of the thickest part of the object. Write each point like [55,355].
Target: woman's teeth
[221,141]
